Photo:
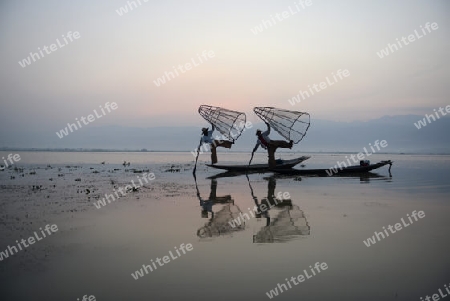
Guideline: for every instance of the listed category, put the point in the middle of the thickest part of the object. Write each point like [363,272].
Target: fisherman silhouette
[207,138]
[270,145]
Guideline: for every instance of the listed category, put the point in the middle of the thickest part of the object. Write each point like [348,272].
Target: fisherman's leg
[271,184]
[271,152]
[271,192]
[223,143]
[282,143]
[213,154]
[213,191]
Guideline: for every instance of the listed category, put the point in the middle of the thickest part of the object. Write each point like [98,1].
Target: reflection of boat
[289,221]
[368,176]
[229,174]
[219,223]
[364,177]
[336,171]
[281,164]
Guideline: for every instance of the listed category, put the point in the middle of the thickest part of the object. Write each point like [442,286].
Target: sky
[118,58]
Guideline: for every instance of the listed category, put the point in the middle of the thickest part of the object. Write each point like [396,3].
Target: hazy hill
[328,136]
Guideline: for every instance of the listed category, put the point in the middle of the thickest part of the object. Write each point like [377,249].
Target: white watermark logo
[437,297]
[391,48]
[86,298]
[359,156]
[258,210]
[341,74]
[11,250]
[124,190]
[279,17]
[129,7]
[300,278]
[49,49]
[91,118]
[423,122]
[169,75]
[166,259]
[398,226]
[12,158]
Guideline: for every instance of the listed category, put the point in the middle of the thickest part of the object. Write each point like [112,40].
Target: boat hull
[286,164]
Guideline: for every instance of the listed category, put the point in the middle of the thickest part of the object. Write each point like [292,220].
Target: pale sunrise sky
[117,58]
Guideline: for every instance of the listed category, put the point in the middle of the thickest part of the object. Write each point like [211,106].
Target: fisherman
[207,138]
[270,145]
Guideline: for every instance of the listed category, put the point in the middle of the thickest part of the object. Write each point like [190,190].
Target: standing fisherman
[207,138]
[270,145]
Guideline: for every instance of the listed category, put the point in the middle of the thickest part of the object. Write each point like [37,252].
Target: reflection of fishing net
[228,123]
[219,225]
[289,224]
[292,125]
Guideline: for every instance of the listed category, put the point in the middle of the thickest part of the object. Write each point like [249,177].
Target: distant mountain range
[400,133]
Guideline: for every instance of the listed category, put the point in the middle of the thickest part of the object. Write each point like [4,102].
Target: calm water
[324,220]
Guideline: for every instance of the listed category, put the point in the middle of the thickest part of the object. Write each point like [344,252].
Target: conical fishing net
[292,125]
[228,123]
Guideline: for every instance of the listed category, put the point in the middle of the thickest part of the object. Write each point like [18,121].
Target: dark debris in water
[173,168]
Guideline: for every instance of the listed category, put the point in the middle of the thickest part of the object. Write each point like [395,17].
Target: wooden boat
[281,165]
[357,169]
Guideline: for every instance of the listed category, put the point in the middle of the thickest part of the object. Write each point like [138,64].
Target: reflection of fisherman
[289,223]
[269,202]
[271,185]
[213,199]
[207,138]
[270,145]
[206,207]
[219,222]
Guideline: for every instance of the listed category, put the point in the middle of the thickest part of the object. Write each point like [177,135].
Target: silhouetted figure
[270,145]
[207,138]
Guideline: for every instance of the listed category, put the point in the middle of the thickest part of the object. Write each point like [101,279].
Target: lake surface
[324,220]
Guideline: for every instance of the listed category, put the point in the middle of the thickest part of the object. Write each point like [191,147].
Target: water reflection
[218,224]
[363,176]
[367,177]
[282,220]
[289,221]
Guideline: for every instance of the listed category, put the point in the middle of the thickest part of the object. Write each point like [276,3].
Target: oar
[251,191]
[249,162]
[196,186]
[196,158]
